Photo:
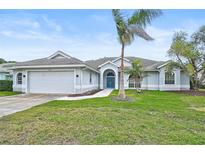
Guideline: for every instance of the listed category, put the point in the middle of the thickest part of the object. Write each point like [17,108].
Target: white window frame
[133,83]
[90,77]
[17,78]
[171,80]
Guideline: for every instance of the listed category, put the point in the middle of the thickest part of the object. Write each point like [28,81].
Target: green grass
[8,93]
[153,118]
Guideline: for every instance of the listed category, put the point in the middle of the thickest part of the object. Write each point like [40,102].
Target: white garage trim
[48,66]
[51,83]
[53,66]
[26,82]
[74,74]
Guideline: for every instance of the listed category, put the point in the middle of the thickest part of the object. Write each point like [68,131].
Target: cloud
[35,37]
[14,22]
[106,38]
[27,23]
[159,33]
[25,35]
[52,24]
[29,27]
[191,25]
[158,48]
[99,18]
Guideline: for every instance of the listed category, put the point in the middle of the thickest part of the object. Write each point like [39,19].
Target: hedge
[6,85]
[202,86]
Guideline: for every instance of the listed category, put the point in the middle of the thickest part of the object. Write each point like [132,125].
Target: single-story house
[62,73]
[5,73]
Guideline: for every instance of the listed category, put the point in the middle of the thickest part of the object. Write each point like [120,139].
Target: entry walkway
[103,93]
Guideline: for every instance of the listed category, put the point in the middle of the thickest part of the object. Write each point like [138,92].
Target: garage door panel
[51,82]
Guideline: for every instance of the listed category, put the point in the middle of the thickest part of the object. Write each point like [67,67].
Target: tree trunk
[195,84]
[121,93]
[136,83]
[196,87]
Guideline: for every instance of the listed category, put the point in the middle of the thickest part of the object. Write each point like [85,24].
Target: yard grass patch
[8,93]
[153,118]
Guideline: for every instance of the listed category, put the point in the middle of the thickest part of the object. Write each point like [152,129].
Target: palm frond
[127,29]
[137,30]
[120,23]
[127,37]
[143,17]
[136,69]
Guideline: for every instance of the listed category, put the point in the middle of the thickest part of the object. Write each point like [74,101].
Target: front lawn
[153,118]
[8,93]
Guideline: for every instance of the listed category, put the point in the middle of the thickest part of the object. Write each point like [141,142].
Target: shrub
[202,86]
[6,85]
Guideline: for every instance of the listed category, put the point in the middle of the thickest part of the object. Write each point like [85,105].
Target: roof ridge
[125,57]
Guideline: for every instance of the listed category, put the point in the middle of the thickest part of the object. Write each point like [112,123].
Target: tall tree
[2,61]
[128,29]
[188,54]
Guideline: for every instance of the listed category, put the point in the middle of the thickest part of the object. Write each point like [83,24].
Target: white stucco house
[62,73]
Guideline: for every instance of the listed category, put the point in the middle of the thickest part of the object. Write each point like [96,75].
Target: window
[110,74]
[90,78]
[134,83]
[169,78]
[19,78]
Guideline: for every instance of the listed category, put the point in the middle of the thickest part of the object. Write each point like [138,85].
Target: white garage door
[51,82]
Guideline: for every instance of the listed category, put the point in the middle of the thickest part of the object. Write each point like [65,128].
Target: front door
[110,82]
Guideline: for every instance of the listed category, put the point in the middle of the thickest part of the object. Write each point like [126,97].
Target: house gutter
[52,66]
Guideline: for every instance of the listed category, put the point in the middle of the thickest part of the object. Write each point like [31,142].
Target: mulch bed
[85,93]
[192,92]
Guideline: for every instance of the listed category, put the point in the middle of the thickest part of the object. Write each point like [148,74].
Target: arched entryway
[109,79]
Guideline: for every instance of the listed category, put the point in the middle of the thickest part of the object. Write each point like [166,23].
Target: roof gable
[58,59]
[164,64]
[96,63]
[127,63]
[59,55]
[108,62]
[119,59]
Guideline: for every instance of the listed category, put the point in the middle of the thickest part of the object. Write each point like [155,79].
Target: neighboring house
[5,74]
[61,73]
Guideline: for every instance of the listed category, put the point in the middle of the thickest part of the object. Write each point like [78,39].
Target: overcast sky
[85,34]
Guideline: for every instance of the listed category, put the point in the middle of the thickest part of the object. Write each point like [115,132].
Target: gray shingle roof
[68,60]
[154,66]
[46,61]
[148,65]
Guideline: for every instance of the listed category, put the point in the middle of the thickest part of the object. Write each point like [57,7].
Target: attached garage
[51,82]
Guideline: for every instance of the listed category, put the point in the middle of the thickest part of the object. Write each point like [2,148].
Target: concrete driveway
[12,104]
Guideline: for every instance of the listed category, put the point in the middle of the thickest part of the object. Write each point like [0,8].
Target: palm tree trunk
[136,83]
[121,93]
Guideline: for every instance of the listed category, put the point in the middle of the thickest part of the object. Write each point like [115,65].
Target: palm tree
[136,71]
[128,29]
